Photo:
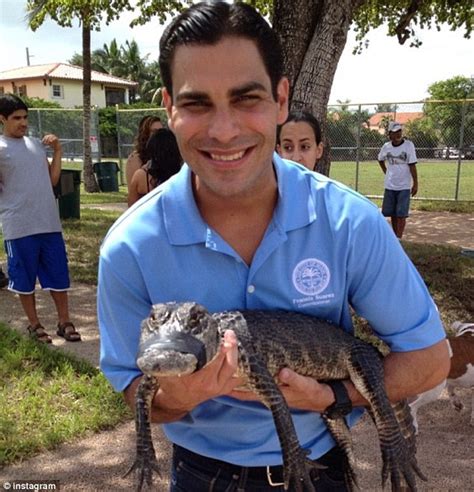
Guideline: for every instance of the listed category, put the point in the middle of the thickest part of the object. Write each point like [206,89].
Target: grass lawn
[101,198]
[436,179]
[49,397]
[83,238]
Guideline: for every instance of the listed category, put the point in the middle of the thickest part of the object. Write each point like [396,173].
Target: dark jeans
[195,473]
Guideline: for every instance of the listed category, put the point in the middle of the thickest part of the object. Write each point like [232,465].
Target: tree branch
[402,29]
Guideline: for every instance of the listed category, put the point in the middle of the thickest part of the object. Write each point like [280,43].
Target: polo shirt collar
[184,224]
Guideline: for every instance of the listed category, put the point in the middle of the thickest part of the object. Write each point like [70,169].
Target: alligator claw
[298,478]
[398,467]
[144,466]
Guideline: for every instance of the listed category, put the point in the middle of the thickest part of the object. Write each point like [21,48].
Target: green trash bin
[107,175]
[68,193]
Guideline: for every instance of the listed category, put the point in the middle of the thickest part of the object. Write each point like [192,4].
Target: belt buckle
[270,480]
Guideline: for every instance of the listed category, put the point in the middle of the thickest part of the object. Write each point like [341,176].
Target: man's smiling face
[224,115]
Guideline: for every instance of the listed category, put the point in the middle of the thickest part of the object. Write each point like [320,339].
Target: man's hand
[414,190]
[300,392]
[178,395]
[52,141]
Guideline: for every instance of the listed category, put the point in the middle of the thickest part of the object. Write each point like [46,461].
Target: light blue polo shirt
[327,248]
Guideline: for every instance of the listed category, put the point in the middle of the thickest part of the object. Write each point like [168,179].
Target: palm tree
[89,15]
[110,57]
[134,65]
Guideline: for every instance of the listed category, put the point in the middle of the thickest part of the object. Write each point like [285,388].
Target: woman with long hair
[165,160]
[139,156]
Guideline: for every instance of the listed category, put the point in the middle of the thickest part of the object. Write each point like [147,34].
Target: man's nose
[224,125]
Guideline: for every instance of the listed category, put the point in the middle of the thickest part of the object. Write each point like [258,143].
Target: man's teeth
[232,157]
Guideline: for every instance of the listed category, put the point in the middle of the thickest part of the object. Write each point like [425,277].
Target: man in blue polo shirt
[240,228]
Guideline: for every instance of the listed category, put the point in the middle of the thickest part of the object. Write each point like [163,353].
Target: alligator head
[176,339]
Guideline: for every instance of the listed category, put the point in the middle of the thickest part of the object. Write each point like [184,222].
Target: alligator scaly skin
[267,342]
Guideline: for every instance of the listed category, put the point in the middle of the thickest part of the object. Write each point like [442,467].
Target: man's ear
[168,104]
[2,119]
[283,93]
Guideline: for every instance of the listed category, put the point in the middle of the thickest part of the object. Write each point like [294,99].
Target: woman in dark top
[165,160]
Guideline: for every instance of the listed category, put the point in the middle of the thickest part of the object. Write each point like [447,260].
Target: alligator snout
[172,354]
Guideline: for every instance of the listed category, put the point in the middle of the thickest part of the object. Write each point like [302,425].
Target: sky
[385,72]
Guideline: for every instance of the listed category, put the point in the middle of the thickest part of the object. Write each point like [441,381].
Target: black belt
[334,460]
[273,475]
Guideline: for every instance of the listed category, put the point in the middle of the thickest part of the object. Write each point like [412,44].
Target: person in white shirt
[397,159]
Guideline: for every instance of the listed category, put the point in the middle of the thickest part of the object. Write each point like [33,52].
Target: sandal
[68,332]
[39,333]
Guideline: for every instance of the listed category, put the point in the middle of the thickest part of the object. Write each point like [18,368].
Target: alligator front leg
[145,461]
[296,465]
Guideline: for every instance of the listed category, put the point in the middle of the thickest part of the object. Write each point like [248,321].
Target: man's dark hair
[206,23]
[305,117]
[9,103]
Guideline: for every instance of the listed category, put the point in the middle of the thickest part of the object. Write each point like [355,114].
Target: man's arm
[55,166]
[177,396]
[383,166]
[414,175]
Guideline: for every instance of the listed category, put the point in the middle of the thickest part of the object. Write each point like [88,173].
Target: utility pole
[28,56]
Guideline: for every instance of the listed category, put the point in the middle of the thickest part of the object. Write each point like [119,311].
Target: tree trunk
[90,183]
[295,32]
[327,23]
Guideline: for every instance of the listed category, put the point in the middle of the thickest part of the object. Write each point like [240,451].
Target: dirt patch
[449,228]
[98,462]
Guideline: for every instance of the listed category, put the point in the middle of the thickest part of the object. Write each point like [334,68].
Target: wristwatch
[343,405]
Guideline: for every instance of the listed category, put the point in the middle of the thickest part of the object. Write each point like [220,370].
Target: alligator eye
[160,313]
[194,321]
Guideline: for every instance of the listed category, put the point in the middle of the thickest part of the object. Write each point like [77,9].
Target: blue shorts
[396,203]
[41,256]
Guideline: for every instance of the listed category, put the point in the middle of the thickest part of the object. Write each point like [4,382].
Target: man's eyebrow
[235,92]
[246,88]
[192,95]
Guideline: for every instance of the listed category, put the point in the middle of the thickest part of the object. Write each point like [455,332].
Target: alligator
[180,338]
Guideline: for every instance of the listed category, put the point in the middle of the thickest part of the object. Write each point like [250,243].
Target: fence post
[95,112]
[461,144]
[119,142]
[358,148]
[40,130]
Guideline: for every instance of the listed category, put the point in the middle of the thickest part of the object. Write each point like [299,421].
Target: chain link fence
[67,125]
[442,132]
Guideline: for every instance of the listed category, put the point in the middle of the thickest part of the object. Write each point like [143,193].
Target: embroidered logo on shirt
[311,276]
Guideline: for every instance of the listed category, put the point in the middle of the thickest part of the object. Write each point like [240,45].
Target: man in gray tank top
[30,219]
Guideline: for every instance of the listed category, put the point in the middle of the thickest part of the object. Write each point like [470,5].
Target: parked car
[447,153]
[468,152]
